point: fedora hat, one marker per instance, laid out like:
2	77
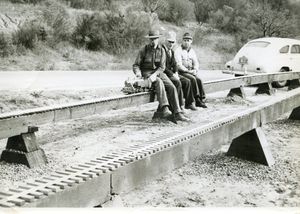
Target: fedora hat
187	36
153	34
171	36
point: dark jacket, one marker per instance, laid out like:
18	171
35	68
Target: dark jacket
150	60
171	66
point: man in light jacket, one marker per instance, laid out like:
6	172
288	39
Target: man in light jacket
188	67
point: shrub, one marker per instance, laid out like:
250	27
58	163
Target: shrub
27	1
27	35
89	33
6	46
177	11
137	26
111	32
58	25
91	4
202	10
201	33
223	19
153	6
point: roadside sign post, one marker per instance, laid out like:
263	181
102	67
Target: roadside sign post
243	61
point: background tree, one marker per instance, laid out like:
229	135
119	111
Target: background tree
203	9
272	20
177	11
152	6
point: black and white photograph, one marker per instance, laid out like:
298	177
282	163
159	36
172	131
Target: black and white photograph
150	105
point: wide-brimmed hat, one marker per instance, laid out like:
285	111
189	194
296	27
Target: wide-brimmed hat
153	34
187	36
171	36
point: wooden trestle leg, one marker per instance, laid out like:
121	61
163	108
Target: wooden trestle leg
252	146
24	149
295	115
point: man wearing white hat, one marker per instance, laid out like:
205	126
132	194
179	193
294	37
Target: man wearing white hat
150	64
182	83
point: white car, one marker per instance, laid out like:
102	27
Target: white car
266	55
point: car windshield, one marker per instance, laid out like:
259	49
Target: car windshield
258	44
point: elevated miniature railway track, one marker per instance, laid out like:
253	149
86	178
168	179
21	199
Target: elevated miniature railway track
94	182
15	123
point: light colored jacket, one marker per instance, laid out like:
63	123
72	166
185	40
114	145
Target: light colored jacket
186	59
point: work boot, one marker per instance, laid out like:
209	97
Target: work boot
183	111
165	112
181	117
191	107
200	103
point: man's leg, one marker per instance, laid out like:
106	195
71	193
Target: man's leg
195	89
171	93
173	98
161	93
194	84
201	89
178	87
187	90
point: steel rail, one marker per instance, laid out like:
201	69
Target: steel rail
93	183
15	123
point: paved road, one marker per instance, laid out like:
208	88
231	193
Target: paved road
74	80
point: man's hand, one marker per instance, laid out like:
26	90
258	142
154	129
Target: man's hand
138	74
152	77
176	76
194	72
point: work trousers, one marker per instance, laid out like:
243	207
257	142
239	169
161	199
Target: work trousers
160	92
178	85
187	90
160	89
171	93
196	84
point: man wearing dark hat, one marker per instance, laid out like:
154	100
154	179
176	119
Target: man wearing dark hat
182	84
188	67
150	65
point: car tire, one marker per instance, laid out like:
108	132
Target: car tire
280	84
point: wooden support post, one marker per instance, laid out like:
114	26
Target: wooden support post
293	84
295	115
265	88
252	146
24	149
238	92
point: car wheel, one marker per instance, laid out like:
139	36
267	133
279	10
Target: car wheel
280	84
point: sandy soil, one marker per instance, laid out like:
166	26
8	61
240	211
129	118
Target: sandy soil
216	180
211	180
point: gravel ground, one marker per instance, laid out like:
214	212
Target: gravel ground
212	180
217	180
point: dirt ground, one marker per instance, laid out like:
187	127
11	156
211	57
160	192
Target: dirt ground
213	180
216	180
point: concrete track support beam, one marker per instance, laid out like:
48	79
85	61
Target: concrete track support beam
252	146
295	115
293	84
238	92
265	88
24	149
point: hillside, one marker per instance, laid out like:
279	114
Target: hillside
65	56
106	35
